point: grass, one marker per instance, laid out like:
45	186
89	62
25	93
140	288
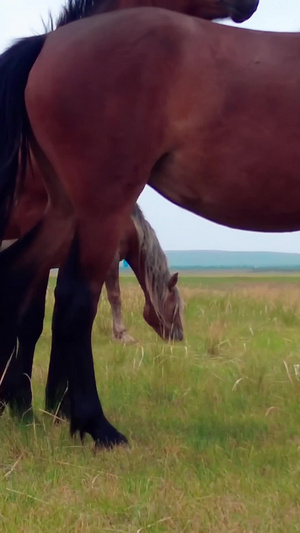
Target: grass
213	423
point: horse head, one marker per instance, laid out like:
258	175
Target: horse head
237	10
240	10
167	320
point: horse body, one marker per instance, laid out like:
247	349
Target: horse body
196	159
237	160
143	109
33	201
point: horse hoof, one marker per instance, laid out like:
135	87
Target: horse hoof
124	338
104	435
127	339
109	441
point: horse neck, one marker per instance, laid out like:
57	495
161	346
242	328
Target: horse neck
106	6
78	9
148	261
136	261
205	9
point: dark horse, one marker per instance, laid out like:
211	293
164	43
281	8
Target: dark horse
110	103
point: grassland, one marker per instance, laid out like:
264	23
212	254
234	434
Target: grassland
213	423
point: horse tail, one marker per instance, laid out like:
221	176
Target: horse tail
15	65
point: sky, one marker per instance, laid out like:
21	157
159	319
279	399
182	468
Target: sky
176	228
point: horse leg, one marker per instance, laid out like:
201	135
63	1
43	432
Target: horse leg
57	396
30	327
13	287
112	284
72	321
102	190
20	265
57	399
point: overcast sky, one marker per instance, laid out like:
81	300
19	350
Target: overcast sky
176	228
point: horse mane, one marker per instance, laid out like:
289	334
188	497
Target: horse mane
157	274
76	10
73	10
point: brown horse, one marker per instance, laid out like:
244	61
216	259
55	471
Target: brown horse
33	201
162	311
113	102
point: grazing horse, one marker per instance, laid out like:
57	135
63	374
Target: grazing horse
141	249
109	103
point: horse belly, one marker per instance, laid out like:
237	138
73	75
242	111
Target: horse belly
234	189
236	159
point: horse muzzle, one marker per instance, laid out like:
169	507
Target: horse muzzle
240	11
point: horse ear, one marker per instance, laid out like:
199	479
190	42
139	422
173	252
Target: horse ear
172	281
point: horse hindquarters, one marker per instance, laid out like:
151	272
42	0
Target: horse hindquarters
103	165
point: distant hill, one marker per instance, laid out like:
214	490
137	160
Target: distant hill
215	259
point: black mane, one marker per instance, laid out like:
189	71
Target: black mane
74	10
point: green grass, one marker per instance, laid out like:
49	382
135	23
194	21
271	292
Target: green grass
213	423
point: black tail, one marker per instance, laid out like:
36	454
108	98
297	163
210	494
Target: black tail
15	65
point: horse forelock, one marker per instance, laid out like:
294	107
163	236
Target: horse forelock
157	274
